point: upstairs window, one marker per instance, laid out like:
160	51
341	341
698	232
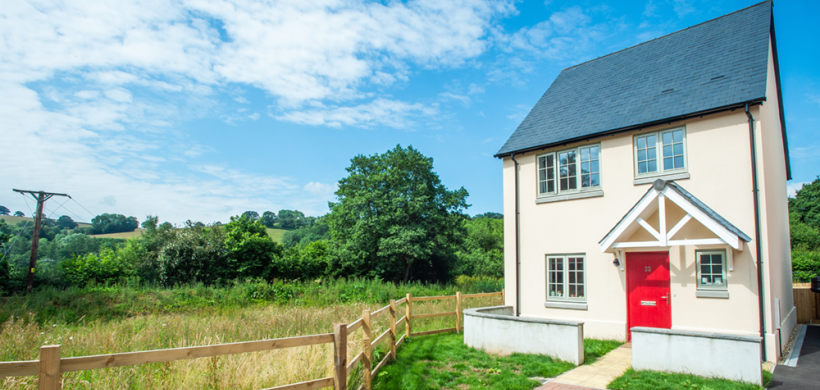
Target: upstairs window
660	152
569	170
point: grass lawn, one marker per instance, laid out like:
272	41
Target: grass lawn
653	380
594	349
276	234
444	362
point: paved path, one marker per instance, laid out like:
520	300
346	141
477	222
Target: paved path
596	375
807	373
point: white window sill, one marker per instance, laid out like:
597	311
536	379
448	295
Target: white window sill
566	305
570	196
649	179
712	294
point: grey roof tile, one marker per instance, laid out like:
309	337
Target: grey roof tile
625	89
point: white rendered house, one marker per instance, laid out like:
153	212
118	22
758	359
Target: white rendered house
647	188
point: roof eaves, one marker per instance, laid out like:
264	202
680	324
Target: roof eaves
604	133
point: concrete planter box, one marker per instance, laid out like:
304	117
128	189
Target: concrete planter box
711	355
496	330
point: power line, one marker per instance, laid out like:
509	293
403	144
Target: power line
19	232
86	210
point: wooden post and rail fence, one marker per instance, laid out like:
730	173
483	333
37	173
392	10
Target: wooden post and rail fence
52	365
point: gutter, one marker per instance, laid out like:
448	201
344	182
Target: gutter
636	127
517	245
755	190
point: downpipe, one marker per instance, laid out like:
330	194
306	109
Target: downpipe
755	191
517	245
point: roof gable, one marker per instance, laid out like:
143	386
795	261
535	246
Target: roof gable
717	64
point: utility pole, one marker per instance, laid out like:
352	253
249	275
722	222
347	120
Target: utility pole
41	197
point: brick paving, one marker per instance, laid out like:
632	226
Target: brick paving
562	386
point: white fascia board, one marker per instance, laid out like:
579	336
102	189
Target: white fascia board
629	219
728	237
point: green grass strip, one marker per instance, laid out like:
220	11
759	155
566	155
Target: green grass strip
444	362
653	380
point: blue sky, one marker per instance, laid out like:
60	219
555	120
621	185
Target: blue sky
204	109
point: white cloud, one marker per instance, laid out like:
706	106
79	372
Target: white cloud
321	189
793	187
392	113
465	100
649	9
683	7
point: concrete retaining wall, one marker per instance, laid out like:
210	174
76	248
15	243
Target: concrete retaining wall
496	330
711	355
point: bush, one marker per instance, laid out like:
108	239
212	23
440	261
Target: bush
805	265
302	262
480	284
107	267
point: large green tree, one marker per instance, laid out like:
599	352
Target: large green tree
4	210
804	217
394	219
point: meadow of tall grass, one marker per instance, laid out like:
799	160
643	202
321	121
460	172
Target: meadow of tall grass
123	318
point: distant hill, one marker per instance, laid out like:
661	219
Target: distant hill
12	220
275	234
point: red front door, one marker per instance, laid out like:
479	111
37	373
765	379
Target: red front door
647	290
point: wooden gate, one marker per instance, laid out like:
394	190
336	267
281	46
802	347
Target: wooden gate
806	303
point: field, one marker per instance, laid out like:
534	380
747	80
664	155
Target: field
12	220
123	235
121	319
276	234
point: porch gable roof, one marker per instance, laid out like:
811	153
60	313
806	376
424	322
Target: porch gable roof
727	232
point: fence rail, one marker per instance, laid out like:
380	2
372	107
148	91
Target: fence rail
51	365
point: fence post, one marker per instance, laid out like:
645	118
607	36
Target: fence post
50	368
503	298
367	363
340	357
367	351
458	311
393	328
407	328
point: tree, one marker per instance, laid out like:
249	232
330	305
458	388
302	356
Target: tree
394	219
291	219
4	210
483	249
251	215
806	204
490	215
250	249
268	218
19	214
65	222
5	271
150	222
113	223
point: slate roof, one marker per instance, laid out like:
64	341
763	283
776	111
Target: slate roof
692	199
709	67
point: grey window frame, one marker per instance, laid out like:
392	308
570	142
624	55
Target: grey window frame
579	188
659	156
565	272
724	265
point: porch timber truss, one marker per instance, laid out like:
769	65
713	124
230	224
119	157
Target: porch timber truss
655	200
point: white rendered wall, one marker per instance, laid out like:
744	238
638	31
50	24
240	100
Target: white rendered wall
496	330
704	354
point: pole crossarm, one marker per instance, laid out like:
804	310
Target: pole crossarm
49	194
